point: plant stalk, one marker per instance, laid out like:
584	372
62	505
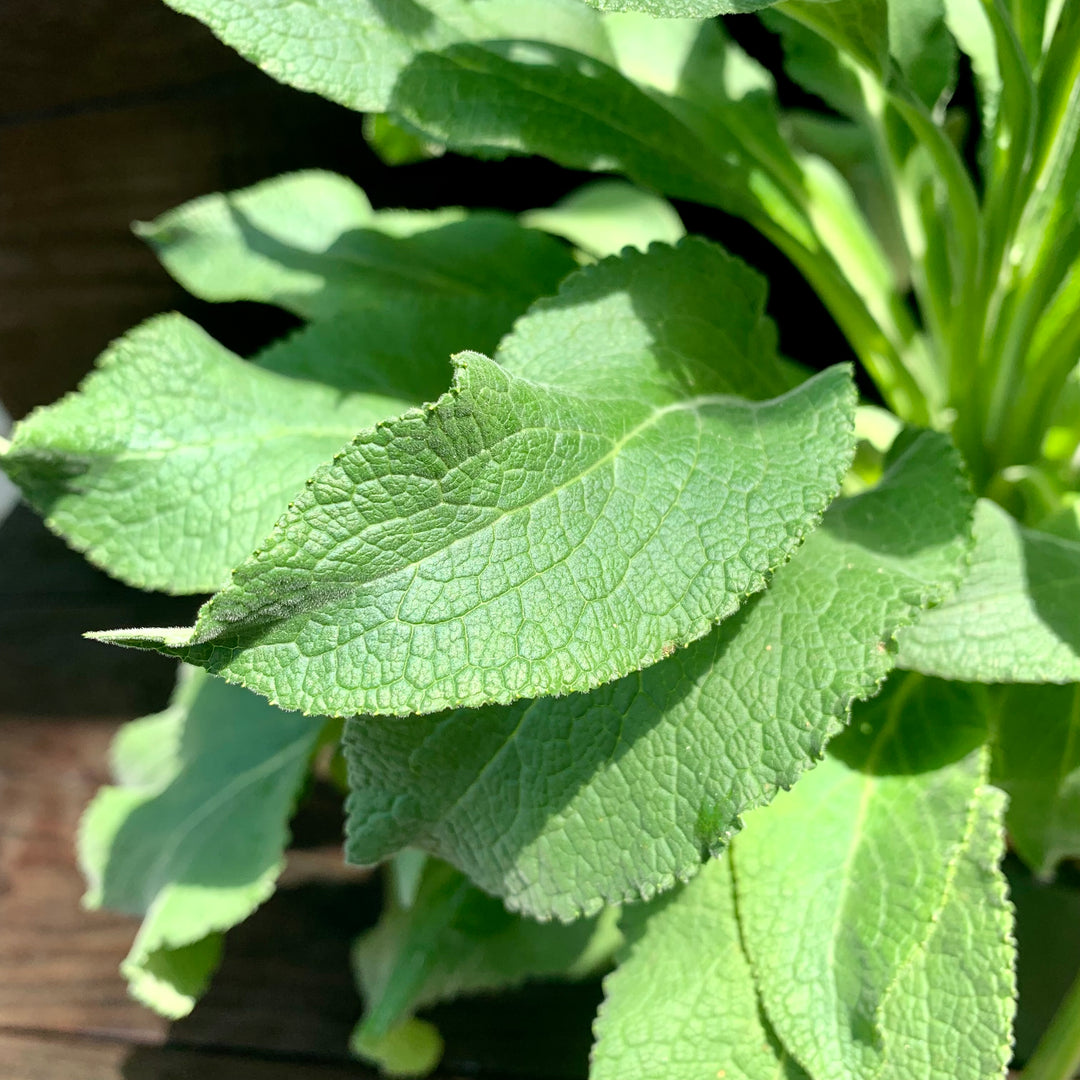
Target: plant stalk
1057	1057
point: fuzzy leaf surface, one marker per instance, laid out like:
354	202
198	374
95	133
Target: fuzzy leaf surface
193	837
353	51
560	804
310	242
896	960
683	9
1037	763
454	940
148	467
682	1005
1016	618
557	520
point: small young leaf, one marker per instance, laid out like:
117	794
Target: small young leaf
1016	618
193	838
1037	764
559	804
682	1001
175	457
604	217
896	958
394	145
550	524
455	940
310	242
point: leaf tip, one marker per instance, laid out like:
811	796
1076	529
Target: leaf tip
151	637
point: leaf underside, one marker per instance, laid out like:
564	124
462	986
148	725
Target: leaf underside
193	838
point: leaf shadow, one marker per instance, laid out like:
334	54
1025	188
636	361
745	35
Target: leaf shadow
212	812
1051	567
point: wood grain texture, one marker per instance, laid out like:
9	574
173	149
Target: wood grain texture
58	964
44	1057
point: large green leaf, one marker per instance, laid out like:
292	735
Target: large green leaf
550	524
562	803
870	901
353	51
1037	763
175	457
1016	618
193	837
682	1004
453	939
310	242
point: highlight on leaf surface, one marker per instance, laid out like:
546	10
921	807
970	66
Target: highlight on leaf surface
561	804
594	500
192	837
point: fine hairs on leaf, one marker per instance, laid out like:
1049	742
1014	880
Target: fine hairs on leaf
578	509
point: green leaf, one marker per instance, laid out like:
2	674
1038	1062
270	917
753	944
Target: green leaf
517	97
683	9
870	901
682	1003
550	524
452	940
1037	763
922	46
353	51
193	837
969	25
817	65
148	467
560	804
1016	618
311	243
394	145
604	217
859	28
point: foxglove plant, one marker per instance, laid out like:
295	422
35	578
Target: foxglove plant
640	644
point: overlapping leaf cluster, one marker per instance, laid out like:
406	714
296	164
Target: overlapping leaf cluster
587	596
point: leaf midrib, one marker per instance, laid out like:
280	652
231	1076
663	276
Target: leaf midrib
690	405
230	791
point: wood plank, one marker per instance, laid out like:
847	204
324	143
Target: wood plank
44	1057
58	964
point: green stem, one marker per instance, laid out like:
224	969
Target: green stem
1057	1057
871	344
